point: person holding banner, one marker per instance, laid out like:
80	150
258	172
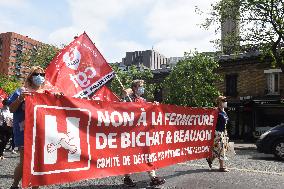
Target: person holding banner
135	95
221	139
34	83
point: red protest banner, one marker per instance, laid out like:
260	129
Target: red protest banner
69	139
105	94
79	69
3	95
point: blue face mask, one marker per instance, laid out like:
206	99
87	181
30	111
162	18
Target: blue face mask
140	91
38	80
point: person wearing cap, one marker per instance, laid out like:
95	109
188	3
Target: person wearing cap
135	95
221	139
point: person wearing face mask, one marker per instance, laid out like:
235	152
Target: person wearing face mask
221	139
135	95
34	83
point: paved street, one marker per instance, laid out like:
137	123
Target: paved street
248	169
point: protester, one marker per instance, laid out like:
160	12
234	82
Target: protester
134	95
6	127
34	83
221	139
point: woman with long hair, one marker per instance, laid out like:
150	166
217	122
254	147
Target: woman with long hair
34	83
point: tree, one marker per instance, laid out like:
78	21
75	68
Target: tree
9	84
261	24
132	73
41	56
191	82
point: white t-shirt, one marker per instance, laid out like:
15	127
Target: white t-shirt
7	115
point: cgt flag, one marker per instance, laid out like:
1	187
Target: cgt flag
105	94
79	69
3	95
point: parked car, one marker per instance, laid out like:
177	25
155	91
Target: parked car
272	142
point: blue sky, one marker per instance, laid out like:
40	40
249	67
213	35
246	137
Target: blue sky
116	26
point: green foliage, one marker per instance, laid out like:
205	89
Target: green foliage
39	57
261	24
191	82
126	78
9	84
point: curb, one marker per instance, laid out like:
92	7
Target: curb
245	146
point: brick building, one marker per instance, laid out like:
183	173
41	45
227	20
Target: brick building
255	94
12	45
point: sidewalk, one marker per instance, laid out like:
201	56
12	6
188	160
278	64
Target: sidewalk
240	145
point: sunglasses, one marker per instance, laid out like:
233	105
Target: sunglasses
37	74
224	100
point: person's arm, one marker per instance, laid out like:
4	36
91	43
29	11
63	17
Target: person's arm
15	100
126	93
15	104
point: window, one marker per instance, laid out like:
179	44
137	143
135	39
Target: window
19	47
231	85
273	81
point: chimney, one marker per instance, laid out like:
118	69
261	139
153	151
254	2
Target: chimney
230	27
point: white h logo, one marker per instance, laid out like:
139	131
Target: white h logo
54	140
75	139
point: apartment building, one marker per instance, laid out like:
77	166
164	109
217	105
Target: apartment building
12	46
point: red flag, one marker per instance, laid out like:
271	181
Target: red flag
3	95
79	69
105	94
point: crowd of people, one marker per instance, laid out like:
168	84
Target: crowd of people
13	120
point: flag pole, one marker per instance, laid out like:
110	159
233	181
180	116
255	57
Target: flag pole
116	76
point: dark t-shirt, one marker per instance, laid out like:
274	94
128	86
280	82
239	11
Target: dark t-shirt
222	121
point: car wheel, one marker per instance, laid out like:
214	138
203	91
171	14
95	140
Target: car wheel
279	149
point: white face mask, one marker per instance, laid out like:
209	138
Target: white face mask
140	91
38	80
225	104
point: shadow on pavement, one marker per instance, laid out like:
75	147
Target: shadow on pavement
95	187
246	152
6	176
191	171
139	184
266	158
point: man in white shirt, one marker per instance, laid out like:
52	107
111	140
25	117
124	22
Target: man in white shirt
6	127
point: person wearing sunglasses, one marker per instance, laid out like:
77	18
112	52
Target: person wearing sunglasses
221	139
34	83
